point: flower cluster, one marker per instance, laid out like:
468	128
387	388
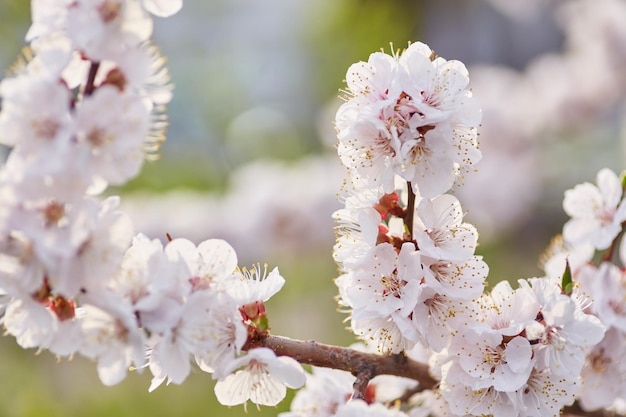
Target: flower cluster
411	115
406	254
410	277
593	247
82	112
405	288
522	353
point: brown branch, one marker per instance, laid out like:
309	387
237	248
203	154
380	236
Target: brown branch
410	210
608	255
360	364
406	395
91	78
576	410
365	366
360	383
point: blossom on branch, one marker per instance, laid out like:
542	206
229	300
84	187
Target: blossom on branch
263	379
409	114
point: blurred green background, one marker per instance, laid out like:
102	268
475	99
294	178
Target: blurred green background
236	63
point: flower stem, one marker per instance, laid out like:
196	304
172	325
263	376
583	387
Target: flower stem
410	211
360	383
608	255
91	78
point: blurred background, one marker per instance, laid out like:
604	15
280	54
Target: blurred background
249	154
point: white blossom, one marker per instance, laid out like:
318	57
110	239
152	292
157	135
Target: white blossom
113	143
441	232
103	28
111	338
606	286
604	373
385	282
545	395
204	327
31	323
263	378
596	211
563	331
256	284
35	113
206	266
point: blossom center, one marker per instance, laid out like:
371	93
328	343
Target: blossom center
606	215
53	212
599	361
99	136
392	284
494	357
46	128
109	10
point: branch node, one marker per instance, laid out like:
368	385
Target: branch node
363	378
